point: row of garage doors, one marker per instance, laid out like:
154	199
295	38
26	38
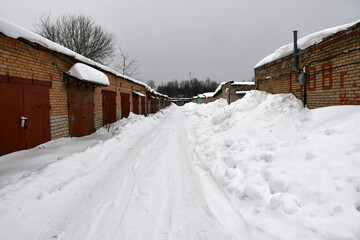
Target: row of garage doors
25	108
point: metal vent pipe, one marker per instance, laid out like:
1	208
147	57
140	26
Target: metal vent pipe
296	60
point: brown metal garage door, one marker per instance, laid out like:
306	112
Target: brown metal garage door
125	104
81	110
109	106
143	105
21	99
135	104
36	110
153	106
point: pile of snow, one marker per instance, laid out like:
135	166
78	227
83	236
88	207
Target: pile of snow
303	43
88	74
288	173
69	152
292	172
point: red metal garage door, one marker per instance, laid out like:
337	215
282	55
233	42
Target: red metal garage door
135	104
12	136
81	110
36	110
143	106
125	104
153	106
109	106
20	99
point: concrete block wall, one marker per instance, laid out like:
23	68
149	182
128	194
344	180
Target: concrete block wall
238	87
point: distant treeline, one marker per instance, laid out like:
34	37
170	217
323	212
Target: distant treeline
187	88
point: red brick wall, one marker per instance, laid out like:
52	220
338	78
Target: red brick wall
333	68
20	58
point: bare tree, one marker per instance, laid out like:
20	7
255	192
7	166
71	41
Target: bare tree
151	83
80	34
126	63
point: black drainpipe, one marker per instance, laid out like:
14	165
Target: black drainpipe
303	76
296	60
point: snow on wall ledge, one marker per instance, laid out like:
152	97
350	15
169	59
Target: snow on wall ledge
303	43
88	74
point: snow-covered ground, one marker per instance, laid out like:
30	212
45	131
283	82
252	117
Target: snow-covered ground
262	168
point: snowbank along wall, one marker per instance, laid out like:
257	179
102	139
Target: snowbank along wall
332	66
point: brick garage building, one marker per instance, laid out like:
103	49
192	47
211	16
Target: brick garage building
230	90
40	100
332	63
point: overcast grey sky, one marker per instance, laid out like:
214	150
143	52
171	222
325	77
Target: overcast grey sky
219	39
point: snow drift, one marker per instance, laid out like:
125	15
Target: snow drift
277	170
292	172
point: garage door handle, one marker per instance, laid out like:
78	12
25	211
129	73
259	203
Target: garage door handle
22	121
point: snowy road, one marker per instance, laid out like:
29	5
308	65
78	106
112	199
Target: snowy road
262	168
146	186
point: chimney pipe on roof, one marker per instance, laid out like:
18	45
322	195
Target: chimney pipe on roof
302	72
296	60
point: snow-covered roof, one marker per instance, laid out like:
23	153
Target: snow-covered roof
14	31
219	87
242	83
303	43
241	92
140	94
149	89
208	94
88	74
205	95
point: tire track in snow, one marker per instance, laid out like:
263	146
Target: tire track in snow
90	192
180	209
147	189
